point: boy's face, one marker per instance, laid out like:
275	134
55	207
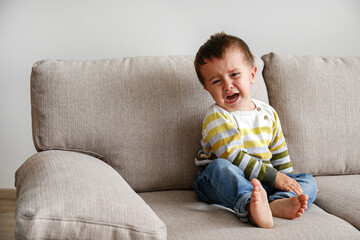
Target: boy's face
229	79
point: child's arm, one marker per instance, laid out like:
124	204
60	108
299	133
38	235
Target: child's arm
280	156
281	160
223	139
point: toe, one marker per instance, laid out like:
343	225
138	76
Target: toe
255	182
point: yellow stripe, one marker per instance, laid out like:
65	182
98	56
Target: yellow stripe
229	151
213	117
226	140
276	130
207	149
257	143
276	139
266	155
276	117
276	123
218	129
255	131
278	147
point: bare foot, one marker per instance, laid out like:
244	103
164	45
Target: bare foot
289	208
259	210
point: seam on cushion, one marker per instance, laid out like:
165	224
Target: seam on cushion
18	182
91	223
21	171
335	174
19	175
90	153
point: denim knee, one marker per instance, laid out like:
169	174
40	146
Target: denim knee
311	188
223	183
219	163
206	176
308	185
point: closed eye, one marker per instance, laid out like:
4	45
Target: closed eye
215	82
234	74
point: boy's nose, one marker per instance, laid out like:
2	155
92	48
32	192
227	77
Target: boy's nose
227	85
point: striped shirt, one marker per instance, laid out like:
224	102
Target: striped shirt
252	140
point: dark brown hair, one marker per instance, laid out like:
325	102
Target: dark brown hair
216	47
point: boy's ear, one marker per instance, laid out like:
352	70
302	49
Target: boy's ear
253	74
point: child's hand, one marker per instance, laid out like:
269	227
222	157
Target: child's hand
286	183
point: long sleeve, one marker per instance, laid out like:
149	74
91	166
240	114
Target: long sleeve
280	155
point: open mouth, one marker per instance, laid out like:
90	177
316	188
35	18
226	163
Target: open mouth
232	98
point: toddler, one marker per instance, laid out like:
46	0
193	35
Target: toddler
244	161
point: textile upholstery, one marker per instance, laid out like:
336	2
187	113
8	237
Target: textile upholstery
68	195
317	101
339	195
187	218
116	141
141	115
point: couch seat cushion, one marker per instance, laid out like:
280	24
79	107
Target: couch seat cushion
186	218
339	195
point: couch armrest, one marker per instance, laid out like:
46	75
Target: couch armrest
69	195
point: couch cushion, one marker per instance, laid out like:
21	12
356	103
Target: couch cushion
187	218
141	115
67	195
317	99
339	195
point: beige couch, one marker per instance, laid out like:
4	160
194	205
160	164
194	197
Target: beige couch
117	139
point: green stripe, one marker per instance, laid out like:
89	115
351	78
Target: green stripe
266	162
284	166
239	158
250	167
280	155
262	172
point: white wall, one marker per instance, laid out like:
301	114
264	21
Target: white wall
31	30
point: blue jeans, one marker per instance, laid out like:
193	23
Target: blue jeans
225	184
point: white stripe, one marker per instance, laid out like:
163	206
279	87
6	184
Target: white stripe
229	145
283	149
222	135
255	171
279	142
202	162
261	136
280	161
287	170
255	150
213	124
233	155
205	145
244	162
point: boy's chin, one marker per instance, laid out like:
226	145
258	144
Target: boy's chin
228	107
233	107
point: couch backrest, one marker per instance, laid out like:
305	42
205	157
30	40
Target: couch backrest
141	115
317	99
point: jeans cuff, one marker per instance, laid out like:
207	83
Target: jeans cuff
281	195
240	207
